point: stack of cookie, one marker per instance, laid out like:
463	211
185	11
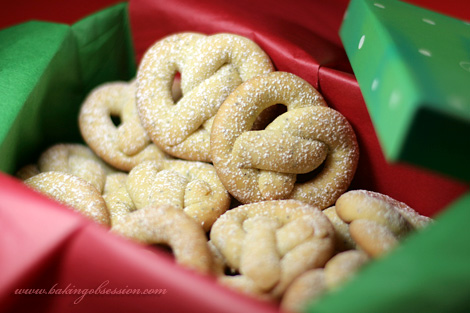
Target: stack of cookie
367	225
241	169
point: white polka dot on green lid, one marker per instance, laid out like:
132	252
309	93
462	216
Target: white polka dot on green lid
425	52
361	42
428	21
394	99
465	65
375	84
379	5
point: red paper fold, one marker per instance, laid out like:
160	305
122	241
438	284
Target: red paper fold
46	246
301	37
295	34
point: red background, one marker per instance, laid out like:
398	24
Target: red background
70	11
323	56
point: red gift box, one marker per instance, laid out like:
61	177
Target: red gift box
83	268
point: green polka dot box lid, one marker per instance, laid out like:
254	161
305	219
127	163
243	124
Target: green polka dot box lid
413	68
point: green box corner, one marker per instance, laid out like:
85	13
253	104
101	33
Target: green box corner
47	69
413	67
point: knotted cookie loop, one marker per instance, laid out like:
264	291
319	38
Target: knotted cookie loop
75	159
376	221
343	237
165	224
72	191
72	158
263	165
312	284
187	185
211	53
272	242
305	289
126	145
211	67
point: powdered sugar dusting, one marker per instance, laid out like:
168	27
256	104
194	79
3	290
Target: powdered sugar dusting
188	185
125	146
165	224
315	130
262	240
73	192
211	68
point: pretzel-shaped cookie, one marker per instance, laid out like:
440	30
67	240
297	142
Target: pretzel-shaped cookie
75	159
72	191
262	165
272	242
126	145
373	238
342	266
188	185
165	224
377	222
307	287
211	68
312	284
343	237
